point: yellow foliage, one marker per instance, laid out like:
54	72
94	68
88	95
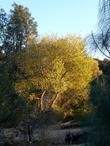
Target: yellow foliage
58	65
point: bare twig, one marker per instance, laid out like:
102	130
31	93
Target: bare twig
98	46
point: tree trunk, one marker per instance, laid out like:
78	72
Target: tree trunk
42	101
54	98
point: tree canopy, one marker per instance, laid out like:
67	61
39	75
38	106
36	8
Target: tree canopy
56	66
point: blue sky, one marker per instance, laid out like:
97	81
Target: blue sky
60	17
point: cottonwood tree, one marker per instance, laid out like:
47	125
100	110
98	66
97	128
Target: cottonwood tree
55	66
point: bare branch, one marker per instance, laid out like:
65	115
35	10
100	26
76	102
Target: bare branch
98	46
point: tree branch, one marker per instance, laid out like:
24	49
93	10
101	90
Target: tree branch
42	100
99	47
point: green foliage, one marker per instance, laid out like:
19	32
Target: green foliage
12	106
105	66
12	111
3	26
15	29
20	27
100	103
100	88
